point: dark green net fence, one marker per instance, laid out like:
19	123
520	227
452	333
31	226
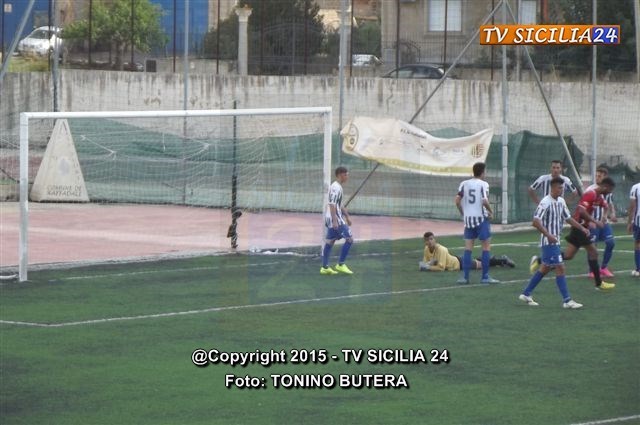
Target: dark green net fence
126	162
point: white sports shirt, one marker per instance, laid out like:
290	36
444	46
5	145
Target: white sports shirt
634	195
544	182
335	198
552	213
472	192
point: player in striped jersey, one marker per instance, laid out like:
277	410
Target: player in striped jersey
337	222
604	233
549	217
633	224
472	201
544	183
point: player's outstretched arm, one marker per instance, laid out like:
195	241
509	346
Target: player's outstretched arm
588	218
578	226
533	195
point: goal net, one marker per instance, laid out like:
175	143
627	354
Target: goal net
241	160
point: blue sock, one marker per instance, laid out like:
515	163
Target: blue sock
486	260
466	263
326	252
637	256
344	252
561	282
535	279
608	252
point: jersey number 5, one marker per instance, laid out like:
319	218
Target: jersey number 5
472	196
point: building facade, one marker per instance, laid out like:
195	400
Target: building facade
435	31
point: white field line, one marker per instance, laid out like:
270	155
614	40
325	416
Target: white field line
11	270
610	421
283	254
263	305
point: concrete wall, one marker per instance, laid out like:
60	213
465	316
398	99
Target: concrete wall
466	104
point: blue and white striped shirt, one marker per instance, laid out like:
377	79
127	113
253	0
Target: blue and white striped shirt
473	192
544	182
597	209
634	195
552	213
335	198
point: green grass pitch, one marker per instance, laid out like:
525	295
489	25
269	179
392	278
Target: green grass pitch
120	338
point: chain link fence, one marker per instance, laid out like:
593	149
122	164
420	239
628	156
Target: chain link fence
293	59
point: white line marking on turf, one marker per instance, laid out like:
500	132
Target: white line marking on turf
610	421
259	264
236	307
273	304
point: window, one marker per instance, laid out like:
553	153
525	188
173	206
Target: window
436	14
528	12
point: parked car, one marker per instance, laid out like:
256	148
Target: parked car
416	71
41	41
365	60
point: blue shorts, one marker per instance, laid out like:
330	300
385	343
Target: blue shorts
343	231
482	231
636	233
601	234
551	255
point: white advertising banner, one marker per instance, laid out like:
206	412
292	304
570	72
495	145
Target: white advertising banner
401	145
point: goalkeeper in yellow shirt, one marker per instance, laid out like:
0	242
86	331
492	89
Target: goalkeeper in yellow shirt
437	258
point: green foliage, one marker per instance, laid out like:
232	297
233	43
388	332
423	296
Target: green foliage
28	64
227	48
279	33
111	21
620	57
366	38
578	58
331	44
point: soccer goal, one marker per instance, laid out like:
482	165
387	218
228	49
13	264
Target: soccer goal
232	160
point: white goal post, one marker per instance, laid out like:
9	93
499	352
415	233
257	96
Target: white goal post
27	117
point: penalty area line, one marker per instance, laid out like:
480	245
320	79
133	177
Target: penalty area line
609	421
233	307
288	258
263	305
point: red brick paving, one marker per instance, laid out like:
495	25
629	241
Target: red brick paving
63	233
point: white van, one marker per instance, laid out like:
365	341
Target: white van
365	60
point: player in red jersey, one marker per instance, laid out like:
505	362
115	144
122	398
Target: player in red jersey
584	215
576	238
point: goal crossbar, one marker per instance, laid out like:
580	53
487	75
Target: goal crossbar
25	117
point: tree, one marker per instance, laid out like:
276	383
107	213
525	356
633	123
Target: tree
366	38
111	20
227	46
578	58
281	34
